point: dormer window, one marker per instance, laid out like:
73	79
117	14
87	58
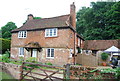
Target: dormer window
51	32
22	34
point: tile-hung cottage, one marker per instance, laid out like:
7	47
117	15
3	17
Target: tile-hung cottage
48	40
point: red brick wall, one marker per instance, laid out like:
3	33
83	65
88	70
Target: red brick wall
62	40
62	45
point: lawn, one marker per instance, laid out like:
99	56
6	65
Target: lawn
6	77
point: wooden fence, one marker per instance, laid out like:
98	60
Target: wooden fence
35	72
87	60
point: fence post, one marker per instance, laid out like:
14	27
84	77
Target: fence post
21	71
67	71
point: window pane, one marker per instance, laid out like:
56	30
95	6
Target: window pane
48	52
54	32
52	52
24	33
50	32
21	51
47	32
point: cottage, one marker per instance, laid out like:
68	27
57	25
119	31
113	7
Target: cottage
48	40
96	47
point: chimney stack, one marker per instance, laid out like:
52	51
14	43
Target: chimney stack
73	15
30	17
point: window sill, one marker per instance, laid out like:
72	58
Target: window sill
50	57
50	36
22	37
21	55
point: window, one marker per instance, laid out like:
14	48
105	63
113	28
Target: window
50	53
51	32
21	51
71	52
22	34
94	51
78	41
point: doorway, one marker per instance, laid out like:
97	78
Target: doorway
34	53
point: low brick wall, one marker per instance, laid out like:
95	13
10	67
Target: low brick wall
12	69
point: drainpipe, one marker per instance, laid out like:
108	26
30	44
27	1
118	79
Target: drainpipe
74	55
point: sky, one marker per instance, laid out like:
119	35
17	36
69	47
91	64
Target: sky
17	10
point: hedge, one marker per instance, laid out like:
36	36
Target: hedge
4	45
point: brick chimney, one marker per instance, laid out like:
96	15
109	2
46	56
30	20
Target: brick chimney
73	15
30	17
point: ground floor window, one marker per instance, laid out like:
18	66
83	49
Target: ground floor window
71	52
21	51
50	53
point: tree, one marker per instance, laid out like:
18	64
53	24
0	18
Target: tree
4	45
94	23
6	30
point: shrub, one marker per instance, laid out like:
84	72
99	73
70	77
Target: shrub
4	45
31	59
104	56
21	59
5	58
48	63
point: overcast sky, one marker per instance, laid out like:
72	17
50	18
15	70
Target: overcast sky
17	10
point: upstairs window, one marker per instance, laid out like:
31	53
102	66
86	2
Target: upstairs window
22	34
50	53
51	32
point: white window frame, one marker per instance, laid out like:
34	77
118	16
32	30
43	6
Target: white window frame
20	51
50	32
70	54
22	34
50	53
78	41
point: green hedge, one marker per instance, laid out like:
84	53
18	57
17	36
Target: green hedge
4	45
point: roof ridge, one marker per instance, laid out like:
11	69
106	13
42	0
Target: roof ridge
53	17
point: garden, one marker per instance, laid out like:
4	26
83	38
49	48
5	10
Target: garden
83	73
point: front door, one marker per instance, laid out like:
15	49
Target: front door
34	53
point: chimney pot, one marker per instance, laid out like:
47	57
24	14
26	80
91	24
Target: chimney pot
30	17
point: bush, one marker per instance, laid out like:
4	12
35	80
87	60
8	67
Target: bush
5	58
104	56
31	59
4	45
48	63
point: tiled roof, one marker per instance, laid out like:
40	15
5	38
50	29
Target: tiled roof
101	44
60	21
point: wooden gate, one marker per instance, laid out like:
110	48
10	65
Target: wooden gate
40	72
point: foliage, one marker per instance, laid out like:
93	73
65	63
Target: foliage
4	45
37	18
5	58
49	63
6	30
100	21
104	56
31	59
108	70
118	73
